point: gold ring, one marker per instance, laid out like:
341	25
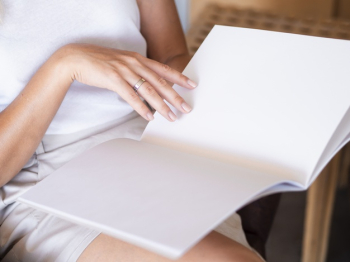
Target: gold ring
139	84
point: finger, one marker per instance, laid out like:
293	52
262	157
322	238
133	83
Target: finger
147	91
169	73
132	98
165	90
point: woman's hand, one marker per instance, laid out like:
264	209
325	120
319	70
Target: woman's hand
24	122
119	71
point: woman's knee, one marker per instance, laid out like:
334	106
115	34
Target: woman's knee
216	247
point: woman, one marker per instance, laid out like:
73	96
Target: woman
68	71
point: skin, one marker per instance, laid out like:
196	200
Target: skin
24	122
213	248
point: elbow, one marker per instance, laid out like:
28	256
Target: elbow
5	175
8	170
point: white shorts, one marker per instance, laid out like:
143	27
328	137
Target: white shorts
27	234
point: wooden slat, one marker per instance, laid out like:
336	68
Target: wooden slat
320	202
318	9
251	18
343	180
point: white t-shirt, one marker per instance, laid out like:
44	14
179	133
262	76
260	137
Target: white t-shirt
31	31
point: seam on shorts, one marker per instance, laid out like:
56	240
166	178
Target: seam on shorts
42	143
84	243
40	149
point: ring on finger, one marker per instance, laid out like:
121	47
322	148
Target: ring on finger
138	84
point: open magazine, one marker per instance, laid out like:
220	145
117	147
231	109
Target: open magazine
270	111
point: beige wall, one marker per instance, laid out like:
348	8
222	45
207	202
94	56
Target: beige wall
319	9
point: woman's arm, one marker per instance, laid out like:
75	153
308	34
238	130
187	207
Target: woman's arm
24	122
160	25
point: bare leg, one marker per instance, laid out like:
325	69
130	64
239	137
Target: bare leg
214	247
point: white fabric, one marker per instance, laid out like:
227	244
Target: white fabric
50	158
232	228
32	30
29	235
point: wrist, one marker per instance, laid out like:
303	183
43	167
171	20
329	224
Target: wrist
62	66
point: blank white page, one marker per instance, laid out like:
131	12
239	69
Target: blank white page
266	100
150	196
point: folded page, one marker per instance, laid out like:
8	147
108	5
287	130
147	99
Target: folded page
265	100
150	196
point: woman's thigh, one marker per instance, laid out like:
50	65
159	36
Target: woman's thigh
214	247
29	235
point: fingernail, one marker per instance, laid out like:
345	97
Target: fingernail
191	83
150	116
172	116
186	107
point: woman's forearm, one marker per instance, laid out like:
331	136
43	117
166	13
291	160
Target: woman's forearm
24	122
179	62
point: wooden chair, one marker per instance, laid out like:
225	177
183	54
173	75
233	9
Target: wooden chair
320	196
319	206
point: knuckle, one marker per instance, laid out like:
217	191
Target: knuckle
143	110
162	82
136	55
147	89
163	108
178	99
131	59
121	64
136	62
133	97
166	68
132	54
